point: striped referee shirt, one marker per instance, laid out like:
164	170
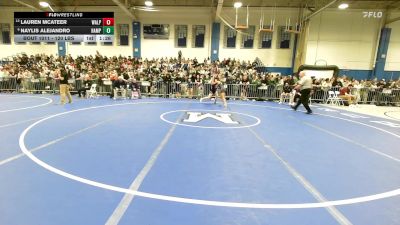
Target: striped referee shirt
305	82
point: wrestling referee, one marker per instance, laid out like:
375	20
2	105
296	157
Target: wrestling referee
305	85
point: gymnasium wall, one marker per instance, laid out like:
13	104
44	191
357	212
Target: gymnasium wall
176	16
392	67
348	40
345	39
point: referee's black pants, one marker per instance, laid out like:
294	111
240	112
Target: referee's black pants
304	99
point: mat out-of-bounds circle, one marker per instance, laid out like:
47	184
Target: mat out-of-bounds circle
348	201
49	101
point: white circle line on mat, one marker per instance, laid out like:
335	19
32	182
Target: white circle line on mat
29	107
50	168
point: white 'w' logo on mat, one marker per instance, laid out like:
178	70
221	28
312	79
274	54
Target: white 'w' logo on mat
195	117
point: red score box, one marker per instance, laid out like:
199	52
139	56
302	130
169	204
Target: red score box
108	21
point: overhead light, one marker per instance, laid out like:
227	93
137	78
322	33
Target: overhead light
148	3
343	6
145	8
44	4
237	4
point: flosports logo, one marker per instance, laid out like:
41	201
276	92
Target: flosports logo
194	117
373	14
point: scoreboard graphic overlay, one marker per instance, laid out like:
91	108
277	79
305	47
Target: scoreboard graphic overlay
63	26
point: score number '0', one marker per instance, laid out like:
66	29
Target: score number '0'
108	21
108	30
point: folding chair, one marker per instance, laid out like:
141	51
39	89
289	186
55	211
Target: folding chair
92	92
333	98
339	100
119	93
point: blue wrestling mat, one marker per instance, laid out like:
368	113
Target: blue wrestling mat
182	162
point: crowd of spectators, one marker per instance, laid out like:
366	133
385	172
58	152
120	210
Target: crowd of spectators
99	68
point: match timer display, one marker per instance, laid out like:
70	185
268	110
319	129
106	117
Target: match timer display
63	26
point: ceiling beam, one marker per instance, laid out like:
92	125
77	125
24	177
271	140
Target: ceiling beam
394	4
219	8
394	7
320	9
27	5
125	9
392	20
